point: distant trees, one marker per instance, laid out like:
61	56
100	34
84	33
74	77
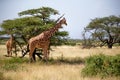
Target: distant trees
106	30
32	23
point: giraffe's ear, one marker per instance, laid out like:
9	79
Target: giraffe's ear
65	21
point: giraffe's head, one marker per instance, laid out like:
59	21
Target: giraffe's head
63	21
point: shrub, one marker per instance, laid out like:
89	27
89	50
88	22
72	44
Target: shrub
12	64
16	60
10	67
101	65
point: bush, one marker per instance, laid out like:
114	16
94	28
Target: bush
16	60
12	64
10	67
101	65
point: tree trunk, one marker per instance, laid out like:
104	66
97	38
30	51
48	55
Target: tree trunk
109	45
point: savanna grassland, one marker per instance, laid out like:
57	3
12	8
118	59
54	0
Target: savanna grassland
66	63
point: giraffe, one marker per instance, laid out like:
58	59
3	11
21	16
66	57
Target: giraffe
9	45
43	40
37	52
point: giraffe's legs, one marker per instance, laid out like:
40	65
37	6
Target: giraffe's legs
15	50
34	55
38	54
31	54
45	53
9	52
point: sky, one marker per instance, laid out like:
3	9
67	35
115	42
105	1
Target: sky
78	13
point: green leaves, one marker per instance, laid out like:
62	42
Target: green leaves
44	13
32	23
106	28
102	65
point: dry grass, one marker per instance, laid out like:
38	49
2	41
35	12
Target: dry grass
37	71
47	72
50	72
76	51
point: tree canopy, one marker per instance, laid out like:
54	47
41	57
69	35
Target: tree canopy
32	23
106	29
43	13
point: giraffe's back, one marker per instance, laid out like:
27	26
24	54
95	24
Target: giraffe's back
38	42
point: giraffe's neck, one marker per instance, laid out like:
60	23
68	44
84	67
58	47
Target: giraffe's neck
11	38
52	31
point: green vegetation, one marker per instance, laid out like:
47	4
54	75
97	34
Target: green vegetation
16	60
63	60
10	67
15	63
94	66
12	64
32	23
105	29
97	65
101	65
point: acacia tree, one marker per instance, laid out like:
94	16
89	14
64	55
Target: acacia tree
44	14
106	29
21	27
32	23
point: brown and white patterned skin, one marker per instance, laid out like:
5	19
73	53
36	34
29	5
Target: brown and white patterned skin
9	45
43	40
